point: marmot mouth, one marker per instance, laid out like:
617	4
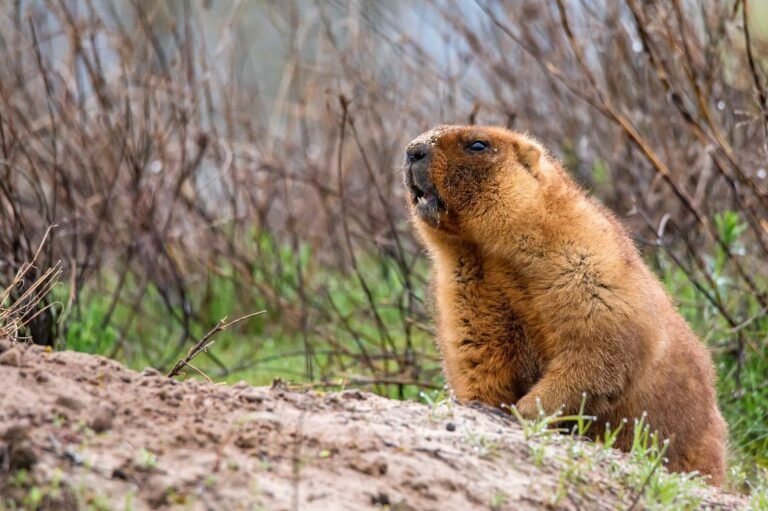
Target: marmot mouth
426	199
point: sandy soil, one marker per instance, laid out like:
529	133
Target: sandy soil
90	433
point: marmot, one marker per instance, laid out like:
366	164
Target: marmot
541	295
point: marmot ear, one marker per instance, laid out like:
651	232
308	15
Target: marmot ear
528	155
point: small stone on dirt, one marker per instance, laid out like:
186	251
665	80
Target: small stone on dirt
103	418
252	397
11	357
69	402
246	441
378	468
58	358
380	499
150	372
157	490
16	433
15	450
450	426
22	456
353	394
119	473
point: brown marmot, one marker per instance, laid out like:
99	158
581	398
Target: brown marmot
541	295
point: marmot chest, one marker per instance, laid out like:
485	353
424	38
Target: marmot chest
486	353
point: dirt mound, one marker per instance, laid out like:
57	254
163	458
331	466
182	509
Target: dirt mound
80	431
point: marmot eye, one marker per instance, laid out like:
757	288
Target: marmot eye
477	146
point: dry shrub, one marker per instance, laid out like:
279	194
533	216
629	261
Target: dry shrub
24	301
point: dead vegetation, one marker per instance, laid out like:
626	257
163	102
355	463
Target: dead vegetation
148	134
24	300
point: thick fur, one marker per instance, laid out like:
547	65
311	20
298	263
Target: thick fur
541	295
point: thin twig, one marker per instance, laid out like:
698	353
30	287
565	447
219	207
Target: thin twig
761	92
206	341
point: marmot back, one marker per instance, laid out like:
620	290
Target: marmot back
541	295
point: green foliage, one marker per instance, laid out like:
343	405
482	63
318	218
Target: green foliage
88	333
740	356
353	327
729	226
440	403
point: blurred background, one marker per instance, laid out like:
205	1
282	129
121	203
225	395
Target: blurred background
204	159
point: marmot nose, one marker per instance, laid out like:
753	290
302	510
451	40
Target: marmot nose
417	152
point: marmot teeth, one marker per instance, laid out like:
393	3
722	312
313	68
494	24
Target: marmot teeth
421	200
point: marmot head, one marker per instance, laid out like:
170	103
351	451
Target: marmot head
459	177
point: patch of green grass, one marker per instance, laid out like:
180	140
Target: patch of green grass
353	327
642	475
498	500
440	402
660	489
486	448
35	493
146	460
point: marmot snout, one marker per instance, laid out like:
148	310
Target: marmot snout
541	295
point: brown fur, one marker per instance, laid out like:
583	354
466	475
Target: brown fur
541	294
